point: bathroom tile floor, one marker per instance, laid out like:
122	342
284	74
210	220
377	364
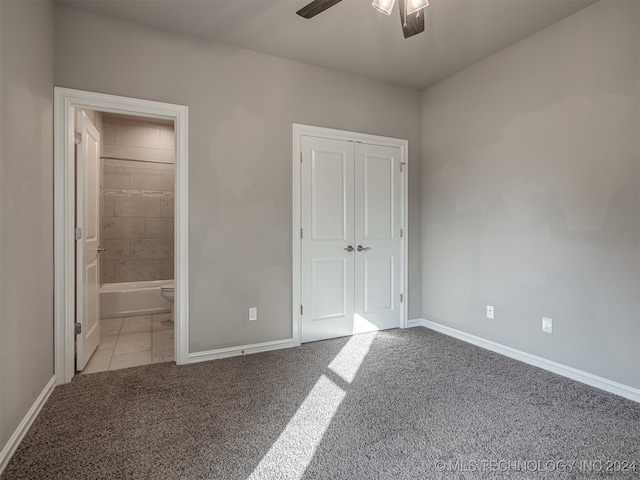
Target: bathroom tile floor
132	341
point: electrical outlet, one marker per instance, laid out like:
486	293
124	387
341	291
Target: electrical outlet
489	311
547	325
253	314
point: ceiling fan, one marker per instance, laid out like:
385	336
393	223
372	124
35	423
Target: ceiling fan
410	18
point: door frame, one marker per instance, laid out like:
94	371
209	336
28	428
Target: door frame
66	101
299	131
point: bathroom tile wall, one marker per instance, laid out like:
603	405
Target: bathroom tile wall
137	214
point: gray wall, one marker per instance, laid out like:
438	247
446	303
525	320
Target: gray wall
242	105
26	211
531	194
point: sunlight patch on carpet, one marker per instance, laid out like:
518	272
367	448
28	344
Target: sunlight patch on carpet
292	452
347	363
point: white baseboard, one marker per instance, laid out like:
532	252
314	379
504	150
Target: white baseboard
549	365
241	350
10	448
415	322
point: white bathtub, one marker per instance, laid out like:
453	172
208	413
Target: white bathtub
127	299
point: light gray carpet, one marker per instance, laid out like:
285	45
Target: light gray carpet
420	402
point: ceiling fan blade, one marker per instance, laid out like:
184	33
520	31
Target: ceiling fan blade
415	21
316	7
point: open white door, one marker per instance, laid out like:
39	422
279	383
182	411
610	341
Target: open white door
87	244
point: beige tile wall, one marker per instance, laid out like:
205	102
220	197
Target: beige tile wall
138	158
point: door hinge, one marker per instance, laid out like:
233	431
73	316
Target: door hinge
300	157
78	233
77	328
301	309
401	298
402	166
301	234
77	137
401	233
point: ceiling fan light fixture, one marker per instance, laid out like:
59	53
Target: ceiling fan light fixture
384	6
413	6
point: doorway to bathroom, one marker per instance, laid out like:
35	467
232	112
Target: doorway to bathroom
126	257
127	198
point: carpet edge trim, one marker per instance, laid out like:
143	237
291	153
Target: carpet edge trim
558	368
240	350
10	448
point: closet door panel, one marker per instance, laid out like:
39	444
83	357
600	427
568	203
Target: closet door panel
378	288
378	199
327	220
329	190
377	205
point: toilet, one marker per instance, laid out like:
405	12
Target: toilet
167	292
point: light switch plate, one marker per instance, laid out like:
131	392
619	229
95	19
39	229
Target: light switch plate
253	314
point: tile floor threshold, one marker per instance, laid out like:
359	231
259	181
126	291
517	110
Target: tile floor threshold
132	341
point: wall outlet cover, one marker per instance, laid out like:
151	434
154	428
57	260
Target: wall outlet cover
547	325
253	314
490	312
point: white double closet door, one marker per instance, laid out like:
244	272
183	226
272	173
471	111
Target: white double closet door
351	205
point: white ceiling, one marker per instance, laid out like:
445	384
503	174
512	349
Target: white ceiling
351	36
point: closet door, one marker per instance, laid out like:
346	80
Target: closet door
328	254
351	244
378	202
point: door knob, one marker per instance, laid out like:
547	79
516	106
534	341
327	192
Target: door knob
100	249
363	249
349	249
